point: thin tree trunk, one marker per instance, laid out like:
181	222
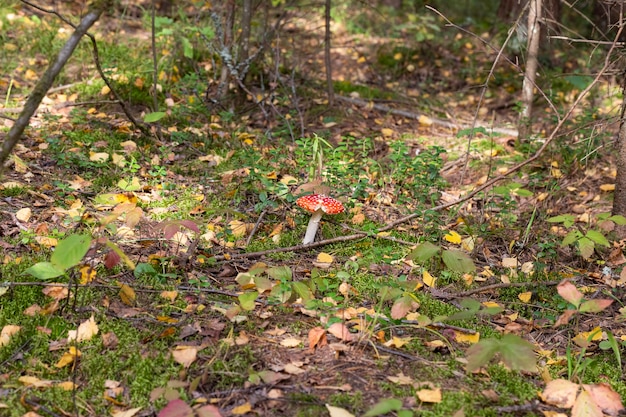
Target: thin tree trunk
46	81
534	32
244	46
619	198
327	57
229	23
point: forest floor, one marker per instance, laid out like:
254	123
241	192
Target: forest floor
164	275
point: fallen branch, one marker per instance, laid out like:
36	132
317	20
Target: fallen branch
416	116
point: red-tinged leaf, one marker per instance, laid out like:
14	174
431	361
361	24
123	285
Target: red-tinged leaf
111	259
595	306
585	406
403	306
607	399
208	411
191	225
570	293
170	229
565	318
176	408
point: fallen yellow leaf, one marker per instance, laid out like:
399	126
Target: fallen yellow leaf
429	395
428	279
466	337
242	409
453	237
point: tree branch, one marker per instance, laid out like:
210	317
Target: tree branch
44	84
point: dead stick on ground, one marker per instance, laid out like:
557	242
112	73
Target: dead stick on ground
256	227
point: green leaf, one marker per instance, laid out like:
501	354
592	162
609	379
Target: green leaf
595	306
281	293
618	219
144	268
579	81
567	219
597	237
187	48
458	261
612	343
517	353
44	271
471	310
479	354
383	407
423	252
470	304
586	247
248	300
70	251
302	290
154	116
472	131
571	237
282	273
522	192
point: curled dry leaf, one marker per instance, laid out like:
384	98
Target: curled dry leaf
8	331
607	399
185	355
317	337
560	392
340	331
86	331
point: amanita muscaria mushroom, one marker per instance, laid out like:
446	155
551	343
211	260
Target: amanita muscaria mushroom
317	204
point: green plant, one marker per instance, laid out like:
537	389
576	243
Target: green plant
454	259
586	240
313	150
67	254
611	343
416	177
516	353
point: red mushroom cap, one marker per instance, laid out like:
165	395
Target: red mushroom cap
315	202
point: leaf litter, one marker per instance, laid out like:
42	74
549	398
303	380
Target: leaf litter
327	348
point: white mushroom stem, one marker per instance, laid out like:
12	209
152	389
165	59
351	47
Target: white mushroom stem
311	229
